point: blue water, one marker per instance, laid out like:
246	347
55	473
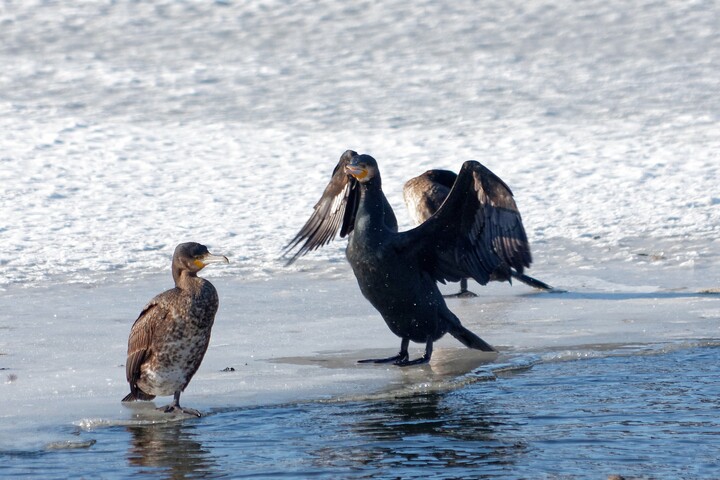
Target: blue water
647	415
120	118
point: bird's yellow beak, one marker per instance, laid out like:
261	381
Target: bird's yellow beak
356	171
210	258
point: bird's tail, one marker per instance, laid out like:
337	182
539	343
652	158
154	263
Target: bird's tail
469	339
528	280
137	394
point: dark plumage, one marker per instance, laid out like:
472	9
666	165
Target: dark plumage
476	233
168	340
425	194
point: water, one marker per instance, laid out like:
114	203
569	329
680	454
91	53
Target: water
128	127
631	412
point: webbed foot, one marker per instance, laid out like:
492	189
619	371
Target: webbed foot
178	409
400	357
461	294
175	407
464	292
418	361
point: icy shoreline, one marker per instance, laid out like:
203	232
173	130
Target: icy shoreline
295	338
127	128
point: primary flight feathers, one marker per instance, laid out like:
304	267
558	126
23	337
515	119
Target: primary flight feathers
477	232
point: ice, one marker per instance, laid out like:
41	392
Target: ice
297	337
126	128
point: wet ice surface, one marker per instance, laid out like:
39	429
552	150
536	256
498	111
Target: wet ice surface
127	128
630	411
294	339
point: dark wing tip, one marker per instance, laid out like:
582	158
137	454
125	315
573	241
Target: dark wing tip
503	222
330	214
478	230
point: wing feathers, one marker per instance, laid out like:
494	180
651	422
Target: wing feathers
139	345
477	232
334	211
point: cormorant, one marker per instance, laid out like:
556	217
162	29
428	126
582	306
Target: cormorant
476	233
168	340
423	196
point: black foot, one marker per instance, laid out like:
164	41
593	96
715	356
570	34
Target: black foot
418	361
177	408
464	292
400	357
461	294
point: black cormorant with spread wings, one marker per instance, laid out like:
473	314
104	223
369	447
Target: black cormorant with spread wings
425	194
476	233
168	340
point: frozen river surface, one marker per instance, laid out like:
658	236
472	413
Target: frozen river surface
126	128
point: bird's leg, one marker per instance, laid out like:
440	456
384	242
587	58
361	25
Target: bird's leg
464	292
419	361
400	357
175	406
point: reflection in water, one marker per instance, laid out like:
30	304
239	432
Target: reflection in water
419	415
636	415
438	430
171	448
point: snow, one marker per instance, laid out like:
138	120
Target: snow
127	128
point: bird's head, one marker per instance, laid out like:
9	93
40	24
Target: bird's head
193	257
363	168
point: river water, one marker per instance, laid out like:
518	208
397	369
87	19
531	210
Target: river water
639	412
129	127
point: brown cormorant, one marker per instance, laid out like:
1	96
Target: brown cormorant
168	340
423	196
476	233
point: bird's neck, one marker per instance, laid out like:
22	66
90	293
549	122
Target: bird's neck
184	279
371	211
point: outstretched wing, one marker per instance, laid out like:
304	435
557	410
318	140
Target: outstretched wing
477	232
334	211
